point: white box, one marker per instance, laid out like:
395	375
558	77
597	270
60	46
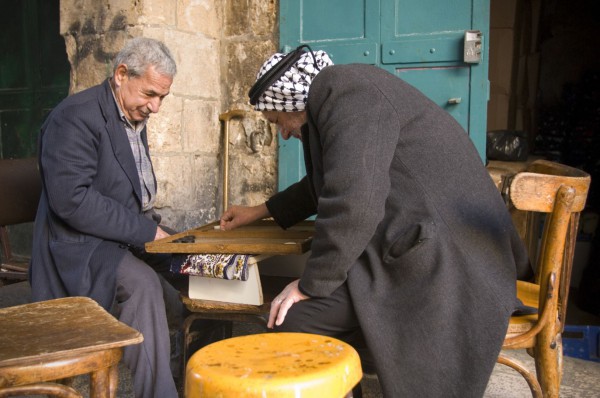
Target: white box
249	291
229	291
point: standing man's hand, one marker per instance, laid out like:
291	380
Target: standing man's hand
283	302
236	216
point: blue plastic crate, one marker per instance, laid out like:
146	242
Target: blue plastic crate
581	341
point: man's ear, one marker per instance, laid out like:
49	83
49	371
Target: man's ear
121	74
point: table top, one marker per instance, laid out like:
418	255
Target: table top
261	237
58	328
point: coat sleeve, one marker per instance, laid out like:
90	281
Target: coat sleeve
358	132
292	205
69	160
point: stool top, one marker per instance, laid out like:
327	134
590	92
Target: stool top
274	365
55	328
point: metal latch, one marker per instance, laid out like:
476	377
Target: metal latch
473	46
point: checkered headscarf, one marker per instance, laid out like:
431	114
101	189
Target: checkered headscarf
290	91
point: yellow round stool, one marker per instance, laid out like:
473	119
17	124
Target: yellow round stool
273	365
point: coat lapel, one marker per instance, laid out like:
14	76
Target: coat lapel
118	139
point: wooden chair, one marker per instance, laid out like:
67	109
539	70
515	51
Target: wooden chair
20	188
57	339
559	193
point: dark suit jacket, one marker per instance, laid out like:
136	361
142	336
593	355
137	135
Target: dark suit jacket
90	208
409	217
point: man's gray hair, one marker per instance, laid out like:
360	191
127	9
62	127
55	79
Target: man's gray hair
142	52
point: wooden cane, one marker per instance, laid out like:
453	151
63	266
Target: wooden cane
225	118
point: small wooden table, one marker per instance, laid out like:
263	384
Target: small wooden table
57	339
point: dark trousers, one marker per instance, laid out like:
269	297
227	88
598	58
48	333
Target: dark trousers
332	316
143	300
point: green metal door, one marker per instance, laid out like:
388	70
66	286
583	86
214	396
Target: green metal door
34	72
428	43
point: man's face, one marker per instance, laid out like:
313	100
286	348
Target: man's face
289	123
139	96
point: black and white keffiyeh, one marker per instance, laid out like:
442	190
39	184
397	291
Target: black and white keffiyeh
290	91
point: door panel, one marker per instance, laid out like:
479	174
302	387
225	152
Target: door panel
424	17
34	72
441	48
420	41
446	86
347	29
423	42
322	20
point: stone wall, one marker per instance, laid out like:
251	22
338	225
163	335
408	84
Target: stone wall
218	46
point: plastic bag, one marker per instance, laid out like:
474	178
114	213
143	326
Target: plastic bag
507	145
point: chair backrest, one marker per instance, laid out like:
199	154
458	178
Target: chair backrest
558	192
20	191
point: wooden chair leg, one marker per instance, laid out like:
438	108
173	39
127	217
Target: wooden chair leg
114	380
52	389
100	384
548	363
189	336
532	382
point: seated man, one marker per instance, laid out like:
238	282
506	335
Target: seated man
96	208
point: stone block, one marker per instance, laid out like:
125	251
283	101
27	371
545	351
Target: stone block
204	17
198	60
96	17
158	12
182	220
186	182
254	179
164	127
252	160
251	17
91	57
174	180
201	130
244	59
206	183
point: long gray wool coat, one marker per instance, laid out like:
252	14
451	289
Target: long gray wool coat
408	216
90	209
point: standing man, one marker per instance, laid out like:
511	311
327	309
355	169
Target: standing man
96	209
414	249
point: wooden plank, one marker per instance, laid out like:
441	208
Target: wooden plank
528	191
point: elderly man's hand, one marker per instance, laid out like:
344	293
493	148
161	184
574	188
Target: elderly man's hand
236	216
283	302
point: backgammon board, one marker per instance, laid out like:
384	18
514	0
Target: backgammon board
261	237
